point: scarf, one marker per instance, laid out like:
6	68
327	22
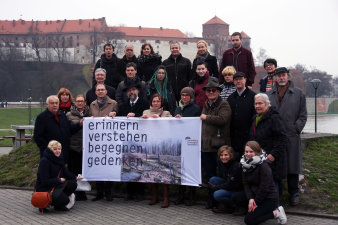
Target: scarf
200	80
101	104
160	90
65	106
147	58
202	57
259	117
154	111
182	106
250	164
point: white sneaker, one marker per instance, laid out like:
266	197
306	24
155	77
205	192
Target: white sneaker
71	201
281	218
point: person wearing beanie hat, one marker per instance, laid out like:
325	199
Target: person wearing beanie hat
267	82
187	108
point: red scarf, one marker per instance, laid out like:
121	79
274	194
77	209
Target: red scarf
65	106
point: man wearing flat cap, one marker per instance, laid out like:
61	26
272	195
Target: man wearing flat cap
242	106
291	105
216	117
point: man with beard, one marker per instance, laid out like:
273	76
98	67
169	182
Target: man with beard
267	82
132	77
240	58
128	57
108	61
291	105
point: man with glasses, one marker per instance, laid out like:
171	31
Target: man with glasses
103	106
129	56
100	78
267	82
216	117
242	106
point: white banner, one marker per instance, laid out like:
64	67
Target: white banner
153	150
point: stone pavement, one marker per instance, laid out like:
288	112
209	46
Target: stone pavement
15	208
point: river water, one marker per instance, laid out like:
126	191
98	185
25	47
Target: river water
327	123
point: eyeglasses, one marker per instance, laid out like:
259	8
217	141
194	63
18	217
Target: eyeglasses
98	90
211	90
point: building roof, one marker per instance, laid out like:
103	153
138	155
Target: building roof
216	20
56	26
149	32
244	35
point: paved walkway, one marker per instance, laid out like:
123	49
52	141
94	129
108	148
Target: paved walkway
15	208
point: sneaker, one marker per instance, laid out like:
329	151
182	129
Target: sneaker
71	201
281	217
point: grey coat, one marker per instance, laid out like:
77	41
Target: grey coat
292	109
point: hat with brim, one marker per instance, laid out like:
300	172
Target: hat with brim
131	84
212	83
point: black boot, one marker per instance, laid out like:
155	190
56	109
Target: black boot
192	197
181	195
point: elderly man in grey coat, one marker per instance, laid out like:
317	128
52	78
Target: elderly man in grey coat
291	105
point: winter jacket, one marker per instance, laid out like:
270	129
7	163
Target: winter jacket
91	95
245	64
146	65
110	65
243	110
216	126
292	109
271	136
189	110
160	112
109	106
179	73
121	65
258	183
231	172
74	117
48	171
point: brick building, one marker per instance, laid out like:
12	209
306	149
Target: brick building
81	41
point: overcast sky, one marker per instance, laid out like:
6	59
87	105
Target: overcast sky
292	31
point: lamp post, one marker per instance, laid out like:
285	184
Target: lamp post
315	83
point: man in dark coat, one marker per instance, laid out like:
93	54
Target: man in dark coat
108	61
128	57
178	69
52	124
242	106
240	58
267	82
291	105
269	131
100	78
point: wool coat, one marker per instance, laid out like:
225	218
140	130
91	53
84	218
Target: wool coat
138	108
109	106
216	126
292	109
179	73
242	108
47	128
189	110
271	135
74	117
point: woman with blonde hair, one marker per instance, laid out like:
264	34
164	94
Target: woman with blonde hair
203	54
66	99
228	86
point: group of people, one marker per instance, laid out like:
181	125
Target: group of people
250	142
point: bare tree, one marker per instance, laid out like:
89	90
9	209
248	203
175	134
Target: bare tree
261	57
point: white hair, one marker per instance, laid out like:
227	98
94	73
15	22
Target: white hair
264	97
51	96
100	69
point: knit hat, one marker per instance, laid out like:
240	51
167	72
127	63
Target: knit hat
189	91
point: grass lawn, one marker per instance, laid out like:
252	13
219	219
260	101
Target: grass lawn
17	116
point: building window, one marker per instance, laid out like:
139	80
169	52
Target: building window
77	36
78	51
157	42
143	41
185	42
77	44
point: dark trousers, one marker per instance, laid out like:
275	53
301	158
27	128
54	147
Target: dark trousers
239	199
263	212
60	196
293	180
209	165
103	188
134	189
75	162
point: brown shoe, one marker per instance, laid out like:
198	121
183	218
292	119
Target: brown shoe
165	203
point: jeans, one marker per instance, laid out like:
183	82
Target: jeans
221	195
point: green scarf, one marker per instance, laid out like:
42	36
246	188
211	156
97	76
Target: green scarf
259	117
